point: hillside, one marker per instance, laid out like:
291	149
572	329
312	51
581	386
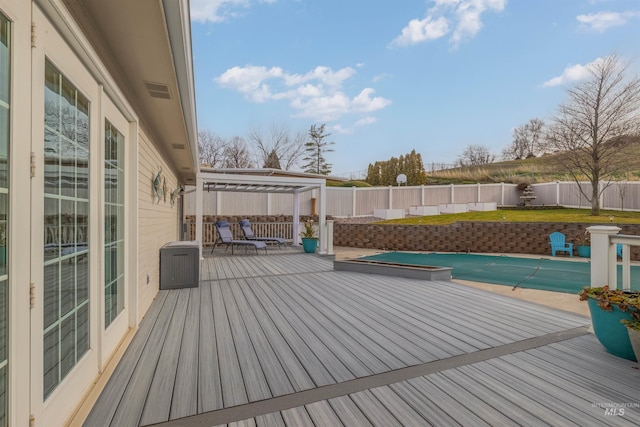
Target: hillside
547	168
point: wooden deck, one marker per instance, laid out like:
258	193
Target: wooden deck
285	340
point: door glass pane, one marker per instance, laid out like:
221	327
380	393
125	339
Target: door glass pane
113	222
5	90
66	222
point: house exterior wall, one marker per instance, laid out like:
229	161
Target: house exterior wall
158	221
50	34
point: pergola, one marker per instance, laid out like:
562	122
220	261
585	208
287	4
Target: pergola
211	181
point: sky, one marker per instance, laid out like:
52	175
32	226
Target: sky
390	76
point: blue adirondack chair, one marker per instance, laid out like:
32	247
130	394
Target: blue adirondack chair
558	242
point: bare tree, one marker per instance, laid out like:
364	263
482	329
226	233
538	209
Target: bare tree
211	148
527	141
475	155
236	154
593	126
278	141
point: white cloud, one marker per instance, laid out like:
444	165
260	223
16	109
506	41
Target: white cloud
572	74
381	76
365	121
317	94
220	10
461	18
421	30
602	21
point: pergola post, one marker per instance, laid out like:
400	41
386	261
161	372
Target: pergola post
322	218
296	219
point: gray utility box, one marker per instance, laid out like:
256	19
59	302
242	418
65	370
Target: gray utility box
180	265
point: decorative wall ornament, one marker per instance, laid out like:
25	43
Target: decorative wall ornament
155	185
164	189
173	196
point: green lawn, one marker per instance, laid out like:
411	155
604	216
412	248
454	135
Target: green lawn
548	215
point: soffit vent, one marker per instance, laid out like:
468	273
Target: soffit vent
158	90
178	146
186	168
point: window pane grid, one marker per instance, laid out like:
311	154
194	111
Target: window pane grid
66	205
114	223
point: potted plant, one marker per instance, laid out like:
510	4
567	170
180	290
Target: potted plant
608	308
633	329
309	239
583	244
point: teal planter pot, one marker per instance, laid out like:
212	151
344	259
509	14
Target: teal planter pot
309	245
584	251
610	332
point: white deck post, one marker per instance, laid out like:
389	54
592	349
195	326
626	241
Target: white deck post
330	237
199	211
603	256
296	219
322	218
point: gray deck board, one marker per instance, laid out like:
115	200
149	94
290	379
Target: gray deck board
322	414
274	373
233	388
158	403
273	419
369	404
420	299
269	327
295	371
297	417
134	396
401	410
210	388
341	370
316	370
415	323
348	412
253	377
419	306
511	397
423	405
394	328
112	394
186	384
366	327
360	360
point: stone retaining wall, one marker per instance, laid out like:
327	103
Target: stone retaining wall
464	236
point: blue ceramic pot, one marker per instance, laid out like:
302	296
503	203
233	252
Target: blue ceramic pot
309	245
584	251
611	333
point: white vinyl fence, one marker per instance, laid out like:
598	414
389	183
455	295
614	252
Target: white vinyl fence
356	201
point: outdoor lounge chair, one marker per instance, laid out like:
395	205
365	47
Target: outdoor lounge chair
245	225
557	242
225	237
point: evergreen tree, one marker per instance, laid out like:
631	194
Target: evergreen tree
386	172
316	148
272	162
